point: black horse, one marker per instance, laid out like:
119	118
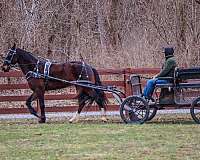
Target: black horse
70	71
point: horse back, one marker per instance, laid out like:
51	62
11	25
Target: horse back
62	71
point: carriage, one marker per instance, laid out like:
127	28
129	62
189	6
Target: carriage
182	91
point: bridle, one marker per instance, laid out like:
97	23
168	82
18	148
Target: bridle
10	60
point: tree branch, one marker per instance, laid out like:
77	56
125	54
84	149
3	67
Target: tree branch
198	1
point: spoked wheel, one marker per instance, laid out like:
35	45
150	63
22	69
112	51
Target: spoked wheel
195	110
134	110
152	109
152	113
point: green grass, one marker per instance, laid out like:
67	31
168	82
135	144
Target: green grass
160	140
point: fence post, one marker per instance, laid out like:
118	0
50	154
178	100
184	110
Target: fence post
127	87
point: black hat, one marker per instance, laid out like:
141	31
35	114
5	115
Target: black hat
168	52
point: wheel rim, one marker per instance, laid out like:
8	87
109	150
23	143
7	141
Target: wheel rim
152	113
195	111
152	109
134	110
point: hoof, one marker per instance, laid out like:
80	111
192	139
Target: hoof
104	119
70	121
42	120
73	120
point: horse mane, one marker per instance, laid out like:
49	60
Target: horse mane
26	55
31	56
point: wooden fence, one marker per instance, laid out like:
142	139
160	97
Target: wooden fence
14	81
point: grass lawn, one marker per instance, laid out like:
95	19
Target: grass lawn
158	140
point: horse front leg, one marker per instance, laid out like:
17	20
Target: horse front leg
29	104
42	107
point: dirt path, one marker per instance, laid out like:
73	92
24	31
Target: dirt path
84	114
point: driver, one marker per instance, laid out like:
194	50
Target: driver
167	71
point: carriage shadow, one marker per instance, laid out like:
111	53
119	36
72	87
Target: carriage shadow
166	120
183	122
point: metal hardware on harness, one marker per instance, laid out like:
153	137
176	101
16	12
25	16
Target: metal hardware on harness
36	74
37	67
10	60
32	74
46	73
83	68
47	68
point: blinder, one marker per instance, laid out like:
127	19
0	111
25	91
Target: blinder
9	61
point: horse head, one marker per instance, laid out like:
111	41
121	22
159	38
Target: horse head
10	59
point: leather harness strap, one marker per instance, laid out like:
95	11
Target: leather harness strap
47	69
32	74
46	73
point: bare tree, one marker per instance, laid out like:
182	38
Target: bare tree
110	33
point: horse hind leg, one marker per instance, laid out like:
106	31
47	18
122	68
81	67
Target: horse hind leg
29	105
103	111
101	100
82	98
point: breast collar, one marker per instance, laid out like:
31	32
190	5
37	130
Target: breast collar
47	68
36	74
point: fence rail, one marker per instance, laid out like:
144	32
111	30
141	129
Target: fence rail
12	86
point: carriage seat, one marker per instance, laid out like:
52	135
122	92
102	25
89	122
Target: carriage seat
167	85
188	73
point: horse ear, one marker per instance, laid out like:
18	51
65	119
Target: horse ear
14	46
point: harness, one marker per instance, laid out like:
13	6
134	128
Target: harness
82	70
10	60
47	69
45	75
35	73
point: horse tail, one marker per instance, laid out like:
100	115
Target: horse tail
100	97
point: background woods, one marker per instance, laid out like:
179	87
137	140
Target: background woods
108	33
